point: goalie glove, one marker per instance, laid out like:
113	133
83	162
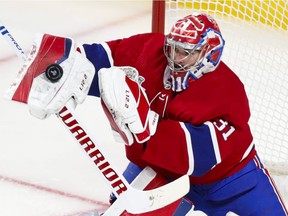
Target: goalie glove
126	105
53	74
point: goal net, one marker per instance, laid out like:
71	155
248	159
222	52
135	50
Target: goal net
256	49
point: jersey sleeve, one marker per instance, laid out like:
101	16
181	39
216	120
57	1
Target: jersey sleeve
184	148
100	56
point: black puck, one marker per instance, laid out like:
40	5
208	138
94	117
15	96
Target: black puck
54	72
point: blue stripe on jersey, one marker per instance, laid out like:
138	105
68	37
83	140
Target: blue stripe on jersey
202	147
99	58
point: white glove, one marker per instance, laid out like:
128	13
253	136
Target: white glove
53	74
126	104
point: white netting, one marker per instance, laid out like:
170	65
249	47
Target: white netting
257	51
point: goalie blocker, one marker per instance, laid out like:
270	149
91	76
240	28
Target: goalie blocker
126	105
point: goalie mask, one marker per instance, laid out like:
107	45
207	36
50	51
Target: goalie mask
193	48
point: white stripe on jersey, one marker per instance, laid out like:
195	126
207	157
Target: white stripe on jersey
214	141
189	149
108	52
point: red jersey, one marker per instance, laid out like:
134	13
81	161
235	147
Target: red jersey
203	130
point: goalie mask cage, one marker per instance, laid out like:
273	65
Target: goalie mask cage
256	49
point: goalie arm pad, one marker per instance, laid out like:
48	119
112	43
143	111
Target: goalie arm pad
53	74
125	103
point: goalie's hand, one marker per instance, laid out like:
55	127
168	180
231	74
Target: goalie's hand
126	103
54	73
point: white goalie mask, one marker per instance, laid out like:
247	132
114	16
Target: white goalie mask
193	48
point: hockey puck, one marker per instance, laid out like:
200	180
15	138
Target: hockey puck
54	72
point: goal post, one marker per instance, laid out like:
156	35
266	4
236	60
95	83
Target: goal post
158	16
256	49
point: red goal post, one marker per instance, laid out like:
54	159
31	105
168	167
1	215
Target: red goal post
158	16
256	48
